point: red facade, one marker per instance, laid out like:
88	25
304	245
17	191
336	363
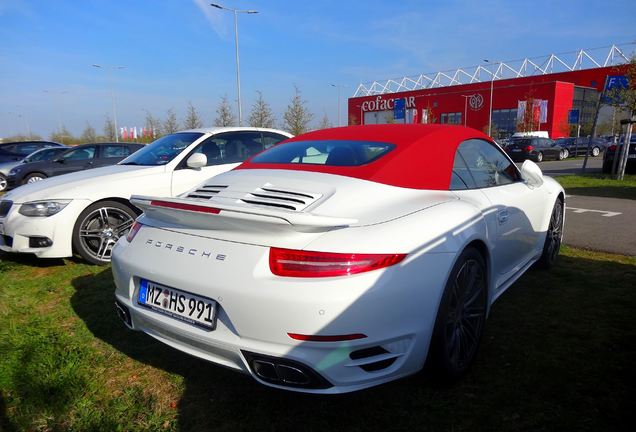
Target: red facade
473	100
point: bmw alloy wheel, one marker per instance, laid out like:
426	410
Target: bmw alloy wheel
100	229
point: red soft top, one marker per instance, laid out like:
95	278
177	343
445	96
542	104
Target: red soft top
423	157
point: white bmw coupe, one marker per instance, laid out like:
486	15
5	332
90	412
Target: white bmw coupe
86	212
342	258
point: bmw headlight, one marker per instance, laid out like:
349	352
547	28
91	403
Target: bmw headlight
42	208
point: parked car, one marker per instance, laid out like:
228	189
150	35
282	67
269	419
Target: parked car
613	150
87	211
534	148
15	151
342	258
578	146
46	153
78	158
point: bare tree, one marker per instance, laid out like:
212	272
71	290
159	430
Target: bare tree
88	135
109	129
170	124
153	124
297	116
192	120
261	114
324	122
224	114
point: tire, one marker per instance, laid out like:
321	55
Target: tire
596	151
566	153
539	157
553	237
3	182
98	228
561	155
461	316
34	177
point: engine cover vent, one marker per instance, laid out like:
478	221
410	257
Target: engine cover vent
206	191
271	196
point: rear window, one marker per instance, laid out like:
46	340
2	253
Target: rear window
327	153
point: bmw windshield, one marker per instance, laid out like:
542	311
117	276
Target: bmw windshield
163	150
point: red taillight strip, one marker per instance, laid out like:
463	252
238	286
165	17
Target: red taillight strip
325	338
136	226
312	264
183	206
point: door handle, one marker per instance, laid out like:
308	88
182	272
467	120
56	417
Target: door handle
502	216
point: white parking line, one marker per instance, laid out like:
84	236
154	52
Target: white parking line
604	213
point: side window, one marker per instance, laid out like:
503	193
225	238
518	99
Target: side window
80	154
271	138
231	147
461	177
487	164
115	151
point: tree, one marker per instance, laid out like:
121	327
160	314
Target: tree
261	114
88	135
529	119
324	122
192	120
153	124
109	129
170	124
297	116
224	114
62	136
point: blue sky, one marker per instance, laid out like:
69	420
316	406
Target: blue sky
177	51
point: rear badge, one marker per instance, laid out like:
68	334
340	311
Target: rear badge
185	250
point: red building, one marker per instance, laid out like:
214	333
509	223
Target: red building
553	96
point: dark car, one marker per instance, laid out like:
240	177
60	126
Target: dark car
534	148
42	154
78	158
613	150
578	146
15	151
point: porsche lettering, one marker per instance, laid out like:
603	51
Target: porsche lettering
183	249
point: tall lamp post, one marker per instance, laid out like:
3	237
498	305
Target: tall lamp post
238	65
56	99
109	70
338	86
492	82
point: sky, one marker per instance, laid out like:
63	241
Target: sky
177	52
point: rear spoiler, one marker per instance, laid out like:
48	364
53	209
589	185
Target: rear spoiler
171	209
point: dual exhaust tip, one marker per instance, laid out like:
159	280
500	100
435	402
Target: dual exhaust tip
285	372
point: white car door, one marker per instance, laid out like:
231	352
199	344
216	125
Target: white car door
511	208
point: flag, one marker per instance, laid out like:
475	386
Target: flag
134	132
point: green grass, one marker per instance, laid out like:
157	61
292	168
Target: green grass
599	185
558	354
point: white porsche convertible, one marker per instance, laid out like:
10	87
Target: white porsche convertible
342	258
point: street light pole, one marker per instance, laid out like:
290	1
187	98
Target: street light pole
492	82
109	71
238	65
338	86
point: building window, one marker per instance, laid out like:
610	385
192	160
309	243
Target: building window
451	118
505	122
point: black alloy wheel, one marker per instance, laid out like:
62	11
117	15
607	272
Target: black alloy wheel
461	316
553	237
98	228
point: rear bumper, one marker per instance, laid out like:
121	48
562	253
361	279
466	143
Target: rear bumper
256	312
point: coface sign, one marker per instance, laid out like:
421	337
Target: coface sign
380	104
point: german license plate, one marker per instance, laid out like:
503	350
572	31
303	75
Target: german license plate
190	308
516	150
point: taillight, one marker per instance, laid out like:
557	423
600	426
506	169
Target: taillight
299	263
134	229
529	148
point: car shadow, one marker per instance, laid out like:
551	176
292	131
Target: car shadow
8	260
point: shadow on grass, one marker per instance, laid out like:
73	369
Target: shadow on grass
623	192
11	260
558	354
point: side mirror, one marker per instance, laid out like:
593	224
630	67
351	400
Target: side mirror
531	173
197	161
